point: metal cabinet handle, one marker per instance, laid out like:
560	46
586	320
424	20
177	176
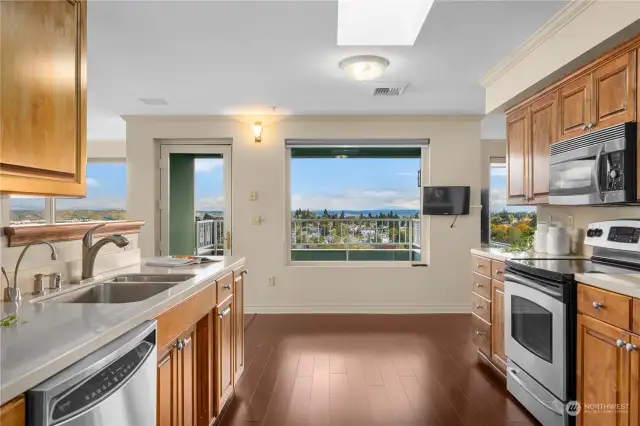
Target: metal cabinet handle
597	305
590	126
179	345
227	286
584	127
480	333
479	285
630	347
225	312
499	271
478	306
621	343
185	342
478	265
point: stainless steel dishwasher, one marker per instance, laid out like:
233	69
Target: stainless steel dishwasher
116	385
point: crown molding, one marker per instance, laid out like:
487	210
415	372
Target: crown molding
555	24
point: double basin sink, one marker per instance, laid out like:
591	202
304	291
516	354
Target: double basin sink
125	288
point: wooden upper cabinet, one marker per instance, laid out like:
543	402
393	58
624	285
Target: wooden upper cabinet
43	97
13	413
614	92
517	142
544	132
574	107
603	372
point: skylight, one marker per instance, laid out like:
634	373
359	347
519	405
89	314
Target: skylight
381	22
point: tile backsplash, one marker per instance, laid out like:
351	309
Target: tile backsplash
37	260
582	216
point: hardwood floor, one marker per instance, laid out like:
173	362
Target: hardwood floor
367	370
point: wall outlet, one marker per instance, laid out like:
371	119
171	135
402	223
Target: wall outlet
271	281
570	223
256	220
253	195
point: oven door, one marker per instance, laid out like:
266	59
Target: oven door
581	176
535	332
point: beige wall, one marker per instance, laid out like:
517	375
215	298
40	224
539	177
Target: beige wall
565	50
441	287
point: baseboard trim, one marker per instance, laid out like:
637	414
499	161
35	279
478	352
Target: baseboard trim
350	309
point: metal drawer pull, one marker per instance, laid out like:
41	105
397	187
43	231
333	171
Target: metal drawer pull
620	343
179	345
227	286
478	285
630	347
478	306
479	265
499	271
479	333
225	312
598	305
185	342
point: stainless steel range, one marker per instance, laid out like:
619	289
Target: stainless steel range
541	316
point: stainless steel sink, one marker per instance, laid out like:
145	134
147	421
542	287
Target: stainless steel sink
114	292
147	278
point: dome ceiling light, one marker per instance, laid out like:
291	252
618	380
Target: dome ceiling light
364	67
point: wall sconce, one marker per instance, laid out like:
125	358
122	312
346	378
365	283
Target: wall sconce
257	130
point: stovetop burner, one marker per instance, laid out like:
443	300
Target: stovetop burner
565	269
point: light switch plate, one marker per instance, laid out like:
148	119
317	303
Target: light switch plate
253	195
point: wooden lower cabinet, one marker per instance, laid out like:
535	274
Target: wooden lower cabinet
13	413
177	379
603	374
498	353
238	323
224	353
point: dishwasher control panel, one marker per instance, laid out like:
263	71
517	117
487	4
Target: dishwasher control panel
101	384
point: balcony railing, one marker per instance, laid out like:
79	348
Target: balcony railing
210	237
355	239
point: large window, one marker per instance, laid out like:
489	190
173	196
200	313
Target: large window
509	224
106	196
105	200
355	204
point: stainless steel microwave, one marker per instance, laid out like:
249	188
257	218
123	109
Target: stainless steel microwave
595	168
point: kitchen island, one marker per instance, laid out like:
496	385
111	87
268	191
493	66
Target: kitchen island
51	335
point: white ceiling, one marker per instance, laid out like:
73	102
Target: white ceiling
242	57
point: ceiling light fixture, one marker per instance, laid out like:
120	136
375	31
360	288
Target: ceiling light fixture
257	131
364	67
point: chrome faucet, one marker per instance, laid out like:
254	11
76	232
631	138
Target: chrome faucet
13	293
90	250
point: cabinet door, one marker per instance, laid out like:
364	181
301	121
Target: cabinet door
224	353
13	413
602	372
498	354
238	312
517	142
614	99
574	106
187	382
43	99
167	409
544	132
204	383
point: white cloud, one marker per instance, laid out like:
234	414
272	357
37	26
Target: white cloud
105	203
210	203
498	199
359	200
93	182
205	165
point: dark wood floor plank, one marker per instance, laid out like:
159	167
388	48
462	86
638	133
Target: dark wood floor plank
366	370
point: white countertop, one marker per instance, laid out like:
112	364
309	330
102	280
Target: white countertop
627	284
56	335
498	254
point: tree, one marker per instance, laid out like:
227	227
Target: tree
326	213
342	214
361	215
370	215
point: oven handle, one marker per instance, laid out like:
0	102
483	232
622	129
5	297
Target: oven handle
512	373
596	171
530	283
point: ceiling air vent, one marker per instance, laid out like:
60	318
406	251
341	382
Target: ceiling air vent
388	89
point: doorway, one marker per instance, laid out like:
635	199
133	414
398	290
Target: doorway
195	200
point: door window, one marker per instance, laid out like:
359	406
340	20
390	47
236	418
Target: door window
531	326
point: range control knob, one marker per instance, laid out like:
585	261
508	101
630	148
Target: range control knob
613	174
590	233
598	232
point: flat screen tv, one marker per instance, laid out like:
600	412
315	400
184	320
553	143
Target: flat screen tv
445	200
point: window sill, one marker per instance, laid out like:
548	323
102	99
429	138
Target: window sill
20	235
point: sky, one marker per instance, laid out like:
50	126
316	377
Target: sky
498	194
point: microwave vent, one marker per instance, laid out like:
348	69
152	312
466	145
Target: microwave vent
605	135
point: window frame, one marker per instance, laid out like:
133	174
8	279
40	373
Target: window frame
425	222
50	202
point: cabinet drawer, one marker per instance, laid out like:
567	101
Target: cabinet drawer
497	270
481	265
481	307
635	323
225	287
481	285
481	334
606	306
